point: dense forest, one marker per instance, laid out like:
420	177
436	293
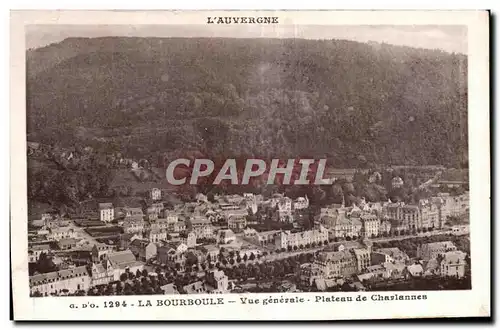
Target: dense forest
353	103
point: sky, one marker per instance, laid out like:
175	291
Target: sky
444	37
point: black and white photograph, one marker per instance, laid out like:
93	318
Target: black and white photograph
248	154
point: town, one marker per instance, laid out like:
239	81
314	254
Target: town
223	243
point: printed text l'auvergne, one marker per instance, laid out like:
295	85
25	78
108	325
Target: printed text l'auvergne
243	20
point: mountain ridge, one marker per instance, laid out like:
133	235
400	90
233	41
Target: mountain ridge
288	93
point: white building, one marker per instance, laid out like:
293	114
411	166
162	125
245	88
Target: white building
453	264
287	239
155	194
106	212
60	282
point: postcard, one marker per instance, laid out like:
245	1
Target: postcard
250	165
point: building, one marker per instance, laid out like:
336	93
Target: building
237	223
67	243
432	250
59	233
201	227
133	214
217	281
375	272
267	237
285	209
60	282
155	194
133	225
195	288
363	259
453	264
415	270
143	249
169	288
336	264
211	252
384	255
370	225
286	239
100	251
397	182
225	236
411	218
35	251
188	238
106	212
309	273
101	273
454	206
156	235
301	203
123	262
172	254
127	238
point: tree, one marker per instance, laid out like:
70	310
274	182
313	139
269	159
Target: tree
144	273
301	246
245	258
295	248
45	264
138	274
252	256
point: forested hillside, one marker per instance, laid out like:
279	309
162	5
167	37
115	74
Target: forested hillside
357	104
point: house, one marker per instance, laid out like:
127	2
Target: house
127	238
397	182
211	252
286	239
336	264
35	251
106	212
195	288
285	209
59	233
143	249
67	280
301	203
67	243
370	225
169	289
133	214
396	269
237	222
101	273
181	226
432	250
155	194
375	272
188	238
156	235
172	253
133	225
225	236
100	251
217	282
122	262
384	255
201	227
363	258
415	270
453	264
